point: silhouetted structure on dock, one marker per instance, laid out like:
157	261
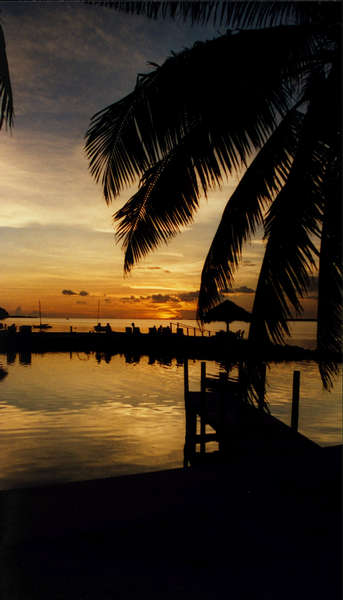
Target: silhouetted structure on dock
170	344
239	427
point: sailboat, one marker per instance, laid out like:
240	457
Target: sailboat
41	325
99	327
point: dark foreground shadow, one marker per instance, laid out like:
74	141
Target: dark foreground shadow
248	531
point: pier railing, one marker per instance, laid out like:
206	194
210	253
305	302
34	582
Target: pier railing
236	425
175	327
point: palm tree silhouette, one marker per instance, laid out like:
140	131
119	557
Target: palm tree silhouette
266	98
6	97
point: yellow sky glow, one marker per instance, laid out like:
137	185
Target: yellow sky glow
56	232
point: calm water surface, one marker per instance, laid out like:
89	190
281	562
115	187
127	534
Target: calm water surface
67	417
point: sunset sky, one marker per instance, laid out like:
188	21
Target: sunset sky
67	61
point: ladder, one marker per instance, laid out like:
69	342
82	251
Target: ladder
206	407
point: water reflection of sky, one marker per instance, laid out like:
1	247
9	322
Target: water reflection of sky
68	417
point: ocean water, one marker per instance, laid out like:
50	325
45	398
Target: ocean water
76	416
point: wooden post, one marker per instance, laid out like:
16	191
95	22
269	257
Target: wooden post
185	378
194	331
190	417
203	409
295	400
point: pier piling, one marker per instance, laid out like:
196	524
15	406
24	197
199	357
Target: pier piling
295	400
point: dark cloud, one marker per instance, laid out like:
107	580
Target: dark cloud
188	296
162	298
80	302
72	293
130	299
108	300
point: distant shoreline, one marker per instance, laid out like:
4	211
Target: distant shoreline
123	318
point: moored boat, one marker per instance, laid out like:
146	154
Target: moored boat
41	325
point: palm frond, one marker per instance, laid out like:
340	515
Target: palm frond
330	285
243	213
168	196
110	159
130	136
195	12
6	96
165	202
230	14
273	14
292	223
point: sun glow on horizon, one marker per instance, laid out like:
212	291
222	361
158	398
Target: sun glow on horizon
56	233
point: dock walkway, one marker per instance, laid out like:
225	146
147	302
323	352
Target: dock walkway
237	426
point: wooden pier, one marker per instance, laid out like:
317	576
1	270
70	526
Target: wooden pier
173	345
237	426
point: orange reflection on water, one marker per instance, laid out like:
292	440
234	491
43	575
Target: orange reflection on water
76	416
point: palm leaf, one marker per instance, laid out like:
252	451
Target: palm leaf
330	285
109	158
273	14
6	97
330	301
293	220
130	136
244	211
168	196
166	201
241	14
169	191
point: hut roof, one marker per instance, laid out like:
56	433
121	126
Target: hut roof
227	311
